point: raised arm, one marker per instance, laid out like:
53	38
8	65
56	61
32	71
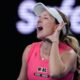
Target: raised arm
60	65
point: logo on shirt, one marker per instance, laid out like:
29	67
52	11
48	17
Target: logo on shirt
39	70
41	75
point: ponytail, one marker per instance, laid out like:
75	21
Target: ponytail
73	43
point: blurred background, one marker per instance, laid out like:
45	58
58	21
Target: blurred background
18	25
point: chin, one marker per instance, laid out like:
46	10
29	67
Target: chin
40	37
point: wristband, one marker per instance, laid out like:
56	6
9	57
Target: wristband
48	40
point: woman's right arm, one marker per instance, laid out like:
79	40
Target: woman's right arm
23	71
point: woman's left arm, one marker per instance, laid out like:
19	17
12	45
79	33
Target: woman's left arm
61	65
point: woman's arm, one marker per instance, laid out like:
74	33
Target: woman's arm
61	65
23	71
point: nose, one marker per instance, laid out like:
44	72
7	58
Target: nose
40	20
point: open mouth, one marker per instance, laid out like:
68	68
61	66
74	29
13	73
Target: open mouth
40	28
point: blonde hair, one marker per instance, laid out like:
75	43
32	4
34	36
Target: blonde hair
73	43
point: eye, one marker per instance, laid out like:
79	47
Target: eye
46	18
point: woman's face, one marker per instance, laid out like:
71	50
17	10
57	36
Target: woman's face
46	25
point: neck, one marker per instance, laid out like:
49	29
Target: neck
45	49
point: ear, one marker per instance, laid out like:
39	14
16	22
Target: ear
61	27
56	26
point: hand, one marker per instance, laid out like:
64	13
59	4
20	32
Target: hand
55	36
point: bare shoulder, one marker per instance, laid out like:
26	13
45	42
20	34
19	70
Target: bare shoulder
27	48
25	52
69	57
69	53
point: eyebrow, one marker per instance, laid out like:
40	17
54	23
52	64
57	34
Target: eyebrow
44	16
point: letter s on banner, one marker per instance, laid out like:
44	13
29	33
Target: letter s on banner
27	23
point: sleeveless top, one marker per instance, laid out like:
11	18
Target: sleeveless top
38	69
